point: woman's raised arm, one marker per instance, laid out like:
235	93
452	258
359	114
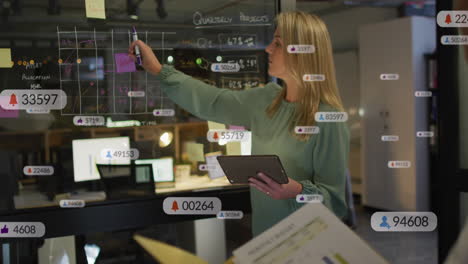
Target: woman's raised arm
202	100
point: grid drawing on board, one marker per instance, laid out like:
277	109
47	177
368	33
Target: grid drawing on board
99	78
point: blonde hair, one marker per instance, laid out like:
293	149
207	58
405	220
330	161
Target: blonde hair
302	28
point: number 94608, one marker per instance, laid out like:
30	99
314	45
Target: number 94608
411	221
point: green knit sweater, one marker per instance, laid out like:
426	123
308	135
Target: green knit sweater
319	164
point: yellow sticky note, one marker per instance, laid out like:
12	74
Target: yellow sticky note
5	58
233	148
214	126
195	151
95	9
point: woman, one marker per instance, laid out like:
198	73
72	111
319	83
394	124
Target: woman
315	164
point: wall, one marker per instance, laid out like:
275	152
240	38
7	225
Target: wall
343	27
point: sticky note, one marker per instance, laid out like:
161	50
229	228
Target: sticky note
214	125
240	148
232	127
4	113
124	63
195	151
5	58
233	148
95	9
8	113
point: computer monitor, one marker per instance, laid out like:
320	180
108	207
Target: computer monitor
139	173
125	181
87	153
163	170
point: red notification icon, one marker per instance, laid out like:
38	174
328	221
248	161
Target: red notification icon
13	100
448	19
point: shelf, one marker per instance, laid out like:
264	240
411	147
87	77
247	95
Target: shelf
58	137
99	129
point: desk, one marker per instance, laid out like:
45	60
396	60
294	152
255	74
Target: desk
107	216
126	214
31	198
200	184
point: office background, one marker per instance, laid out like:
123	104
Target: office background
435	183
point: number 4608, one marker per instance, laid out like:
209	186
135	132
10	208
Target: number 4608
20	229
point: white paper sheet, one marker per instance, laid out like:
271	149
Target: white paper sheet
312	234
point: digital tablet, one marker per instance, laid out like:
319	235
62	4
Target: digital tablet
238	169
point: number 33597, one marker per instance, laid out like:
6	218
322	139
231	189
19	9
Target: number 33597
38	99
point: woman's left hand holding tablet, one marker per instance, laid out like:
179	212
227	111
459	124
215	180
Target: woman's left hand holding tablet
274	189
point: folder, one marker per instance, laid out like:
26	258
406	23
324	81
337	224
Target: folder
165	253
